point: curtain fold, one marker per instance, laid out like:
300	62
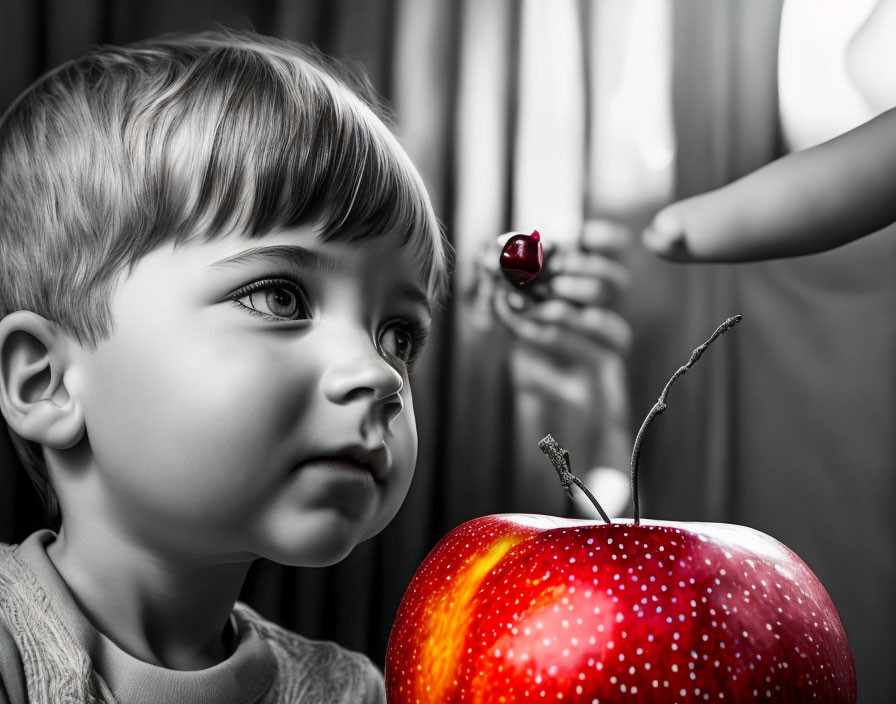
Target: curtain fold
548	193
549	154
476	474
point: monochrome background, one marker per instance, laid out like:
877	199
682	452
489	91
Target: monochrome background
549	114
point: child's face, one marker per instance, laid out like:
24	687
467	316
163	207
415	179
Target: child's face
252	399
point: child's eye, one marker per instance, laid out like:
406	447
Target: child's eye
274	299
402	340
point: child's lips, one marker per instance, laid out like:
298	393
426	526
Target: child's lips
355	458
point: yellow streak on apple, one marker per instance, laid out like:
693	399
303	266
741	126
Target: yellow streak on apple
447	632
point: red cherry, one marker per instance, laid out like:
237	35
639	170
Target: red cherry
522	258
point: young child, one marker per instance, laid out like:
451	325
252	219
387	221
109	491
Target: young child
216	270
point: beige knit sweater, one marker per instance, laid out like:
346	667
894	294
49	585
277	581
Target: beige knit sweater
51	654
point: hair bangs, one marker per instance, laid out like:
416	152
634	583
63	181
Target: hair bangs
374	191
277	147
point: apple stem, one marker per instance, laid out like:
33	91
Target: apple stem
660	406
560	459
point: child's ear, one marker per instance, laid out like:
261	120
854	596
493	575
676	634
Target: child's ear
34	399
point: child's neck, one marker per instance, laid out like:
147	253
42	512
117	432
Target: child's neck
163	612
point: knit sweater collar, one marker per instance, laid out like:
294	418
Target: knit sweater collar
240	679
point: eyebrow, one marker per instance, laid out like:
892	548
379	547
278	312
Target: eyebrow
415	295
295	255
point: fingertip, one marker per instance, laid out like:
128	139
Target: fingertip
665	236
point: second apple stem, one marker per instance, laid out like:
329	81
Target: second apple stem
660	406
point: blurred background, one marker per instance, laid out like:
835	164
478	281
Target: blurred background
576	116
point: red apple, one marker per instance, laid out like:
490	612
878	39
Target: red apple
517	608
522	258
520	608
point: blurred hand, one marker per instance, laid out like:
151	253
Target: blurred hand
807	202
566	365
568	313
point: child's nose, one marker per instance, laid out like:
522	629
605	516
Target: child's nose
363	374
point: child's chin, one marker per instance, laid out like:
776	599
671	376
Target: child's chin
320	559
321	550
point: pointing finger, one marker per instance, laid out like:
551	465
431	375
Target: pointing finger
806	202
